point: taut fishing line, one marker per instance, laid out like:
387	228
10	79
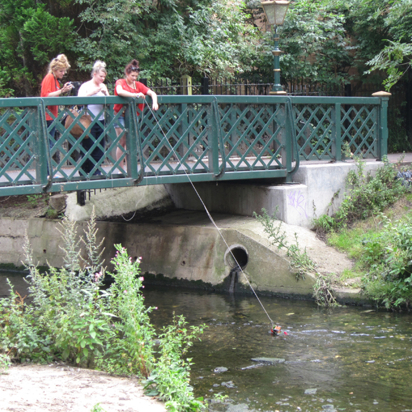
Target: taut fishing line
275	329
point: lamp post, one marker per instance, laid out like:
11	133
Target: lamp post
275	11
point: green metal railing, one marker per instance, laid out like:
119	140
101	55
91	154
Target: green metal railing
206	138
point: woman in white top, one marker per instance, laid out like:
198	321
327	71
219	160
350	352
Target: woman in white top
94	87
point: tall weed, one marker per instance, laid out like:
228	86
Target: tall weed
300	261
71	317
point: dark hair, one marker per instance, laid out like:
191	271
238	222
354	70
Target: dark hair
133	66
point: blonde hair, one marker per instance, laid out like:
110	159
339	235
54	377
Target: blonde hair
58	63
99	66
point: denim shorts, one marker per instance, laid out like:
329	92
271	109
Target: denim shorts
120	122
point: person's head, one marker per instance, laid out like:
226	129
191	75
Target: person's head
99	71
59	66
132	70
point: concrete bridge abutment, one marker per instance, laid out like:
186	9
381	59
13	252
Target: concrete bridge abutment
317	189
182	243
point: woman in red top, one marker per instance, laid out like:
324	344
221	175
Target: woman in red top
130	87
50	88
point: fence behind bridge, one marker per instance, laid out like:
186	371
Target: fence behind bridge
209	138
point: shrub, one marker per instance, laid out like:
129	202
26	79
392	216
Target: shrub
388	255
366	195
72	318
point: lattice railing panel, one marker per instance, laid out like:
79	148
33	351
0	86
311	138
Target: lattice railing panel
175	139
73	158
17	144
314	131
359	124
251	136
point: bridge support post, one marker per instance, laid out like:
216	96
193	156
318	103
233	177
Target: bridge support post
37	122
213	141
285	138
383	129
183	127
288	142
132	143
382	123
336	133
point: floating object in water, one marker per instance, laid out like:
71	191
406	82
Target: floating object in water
275	330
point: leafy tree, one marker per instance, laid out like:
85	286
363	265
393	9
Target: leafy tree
315	45
316	51
395	58
30	37
169	37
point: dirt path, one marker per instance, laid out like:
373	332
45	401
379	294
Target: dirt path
61	388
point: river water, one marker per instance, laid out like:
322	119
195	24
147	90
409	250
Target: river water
342	359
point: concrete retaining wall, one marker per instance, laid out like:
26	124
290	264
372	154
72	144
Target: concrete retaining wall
189	252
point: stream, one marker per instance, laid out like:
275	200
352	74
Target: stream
342	359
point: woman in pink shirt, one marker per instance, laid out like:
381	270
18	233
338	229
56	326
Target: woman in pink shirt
130	87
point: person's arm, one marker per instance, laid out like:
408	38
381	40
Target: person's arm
124	93
67	87
153	95
49	86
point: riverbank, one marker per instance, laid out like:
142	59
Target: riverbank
61	388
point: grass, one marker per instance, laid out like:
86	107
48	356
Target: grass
350	240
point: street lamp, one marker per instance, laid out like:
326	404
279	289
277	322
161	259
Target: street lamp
275	11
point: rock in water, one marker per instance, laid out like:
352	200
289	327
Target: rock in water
268	360
220	369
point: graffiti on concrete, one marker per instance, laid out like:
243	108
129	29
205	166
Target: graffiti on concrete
297	200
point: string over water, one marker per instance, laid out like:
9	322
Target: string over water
214	223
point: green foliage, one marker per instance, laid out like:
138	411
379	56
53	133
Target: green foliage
51	213
5	90
388	255
394	59
21	337
35	200
31	35
316	50
301	263
349	241
366	195
171	373
129	349
396	54
72	318
4	363
97	408
383	251
169	38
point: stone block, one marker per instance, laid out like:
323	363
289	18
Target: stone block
58	202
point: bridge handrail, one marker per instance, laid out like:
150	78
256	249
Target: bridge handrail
110	100
212	137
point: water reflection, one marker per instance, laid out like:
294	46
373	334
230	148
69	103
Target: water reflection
348	358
